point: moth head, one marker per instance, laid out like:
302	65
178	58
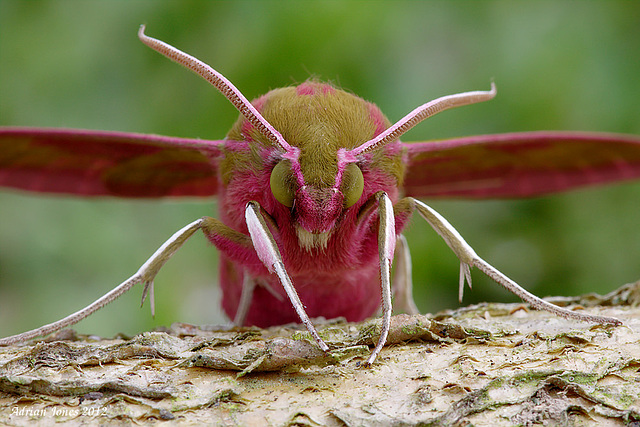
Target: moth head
314	180
322	137
285	188
315	210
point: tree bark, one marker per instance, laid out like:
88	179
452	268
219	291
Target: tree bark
488	364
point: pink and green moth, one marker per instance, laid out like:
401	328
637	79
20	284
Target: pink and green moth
315	189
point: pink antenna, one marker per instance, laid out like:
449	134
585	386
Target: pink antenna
221	83
423	112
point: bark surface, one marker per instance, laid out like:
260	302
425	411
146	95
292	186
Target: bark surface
488	364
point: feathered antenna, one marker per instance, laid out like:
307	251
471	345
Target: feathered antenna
221	83
423	112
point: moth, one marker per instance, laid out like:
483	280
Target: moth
315	189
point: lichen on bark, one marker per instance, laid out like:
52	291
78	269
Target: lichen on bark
487	364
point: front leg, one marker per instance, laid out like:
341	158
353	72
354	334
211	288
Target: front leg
468	258
268	252
386	248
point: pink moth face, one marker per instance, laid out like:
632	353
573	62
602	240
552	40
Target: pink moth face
319	179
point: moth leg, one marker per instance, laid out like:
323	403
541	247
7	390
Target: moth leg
145	275
248	286
468	258
269	254
401	285
386	248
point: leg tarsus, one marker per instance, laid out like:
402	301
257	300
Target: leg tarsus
74	318
536	302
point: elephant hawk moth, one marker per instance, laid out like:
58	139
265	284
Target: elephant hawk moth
315	188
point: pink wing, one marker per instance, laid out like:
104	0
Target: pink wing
519	164
97	163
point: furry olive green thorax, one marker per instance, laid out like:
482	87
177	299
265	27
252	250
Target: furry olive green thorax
317	118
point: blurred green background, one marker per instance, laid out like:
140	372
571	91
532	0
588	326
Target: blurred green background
558	65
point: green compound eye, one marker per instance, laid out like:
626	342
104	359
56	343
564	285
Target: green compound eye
352	184
281	182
